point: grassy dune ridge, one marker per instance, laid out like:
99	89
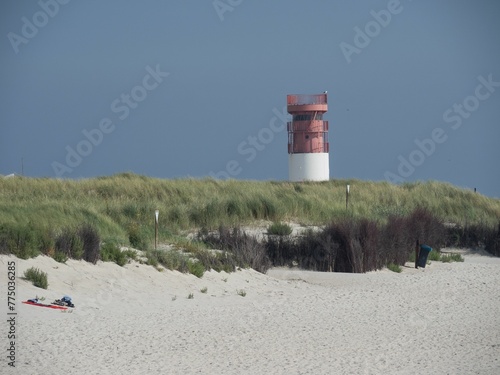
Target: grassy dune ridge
122	204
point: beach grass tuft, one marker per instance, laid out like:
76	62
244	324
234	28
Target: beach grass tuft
111	252
394	267
37	277
447	258
434	255
279	229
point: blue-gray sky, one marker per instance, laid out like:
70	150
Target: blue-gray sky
173	89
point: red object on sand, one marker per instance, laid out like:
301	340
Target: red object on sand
45	305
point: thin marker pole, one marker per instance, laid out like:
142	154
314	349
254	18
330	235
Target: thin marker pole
156	228
347	196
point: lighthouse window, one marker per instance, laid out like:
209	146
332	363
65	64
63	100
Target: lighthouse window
307	136
302	118
318	116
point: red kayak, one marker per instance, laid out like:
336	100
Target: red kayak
45	305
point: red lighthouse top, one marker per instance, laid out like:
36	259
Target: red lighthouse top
307	132
302	99
307	103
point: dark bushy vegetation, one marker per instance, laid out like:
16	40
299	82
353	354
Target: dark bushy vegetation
345	245
69	243
28	241
475	236
492	241
82	242
91	242
20	240
240	249
351	245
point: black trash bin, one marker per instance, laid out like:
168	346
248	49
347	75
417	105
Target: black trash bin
423	254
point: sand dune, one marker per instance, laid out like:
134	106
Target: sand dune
444	319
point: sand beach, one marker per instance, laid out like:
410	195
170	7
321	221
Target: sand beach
444	319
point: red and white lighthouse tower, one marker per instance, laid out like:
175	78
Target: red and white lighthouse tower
308	147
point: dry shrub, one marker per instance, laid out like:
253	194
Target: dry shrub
476	236
91	242
82	242
245	250
492	244
350	245
369	239
427	227
69	243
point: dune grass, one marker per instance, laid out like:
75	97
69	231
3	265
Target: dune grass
112	202
122	206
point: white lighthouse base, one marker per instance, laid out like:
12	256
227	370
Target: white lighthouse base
308	167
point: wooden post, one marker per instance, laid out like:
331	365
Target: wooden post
156	228
347	196
417	253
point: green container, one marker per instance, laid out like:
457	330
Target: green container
423	254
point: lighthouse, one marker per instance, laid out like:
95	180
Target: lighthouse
308	147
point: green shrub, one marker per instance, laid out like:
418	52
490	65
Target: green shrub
137	236
279	229
130	253
446	258
196	268
411	257
46	242
110	252
176	260
394	267
152	260
204	290
434	255
216	260
60	257
173	260
241	293
37	277
20	240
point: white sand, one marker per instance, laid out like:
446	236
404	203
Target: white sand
444	319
